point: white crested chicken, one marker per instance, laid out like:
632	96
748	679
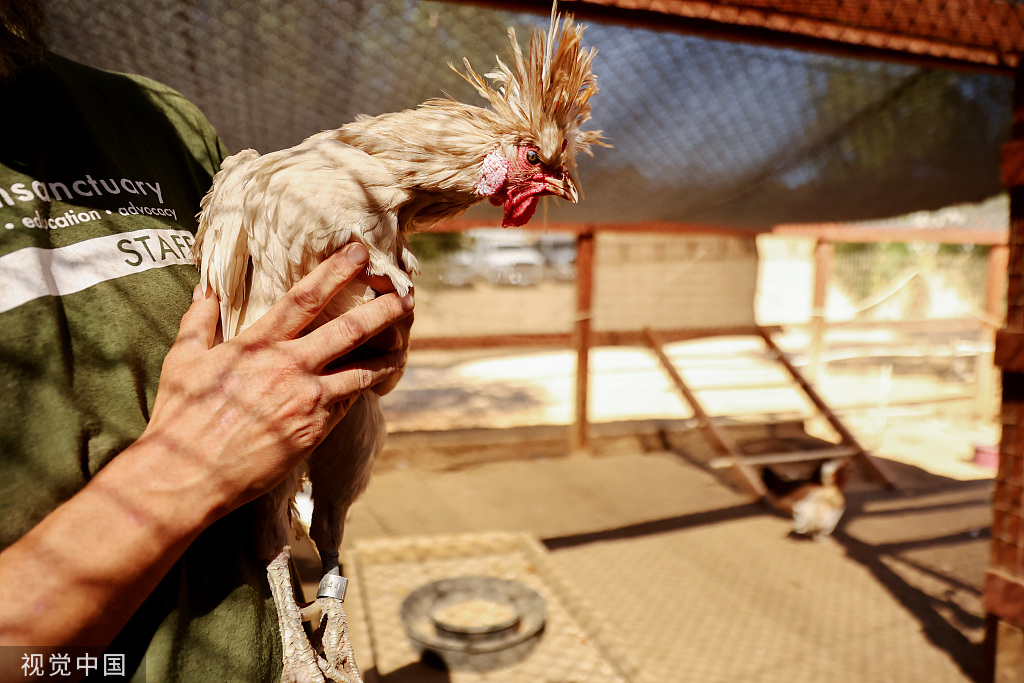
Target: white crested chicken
269	220
816	504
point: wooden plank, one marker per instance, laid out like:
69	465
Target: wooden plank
848	438
995	283
742	385
748	478
1003	592
1003	595
1012	166
982	35
565	340
905	325
788	457
824	255
672	227
639	338
995	312
489	341
844	232
833	232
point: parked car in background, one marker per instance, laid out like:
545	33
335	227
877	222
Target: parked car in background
559	251
457	269
510	264
499	257
510	257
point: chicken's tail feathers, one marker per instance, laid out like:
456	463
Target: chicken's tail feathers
222	243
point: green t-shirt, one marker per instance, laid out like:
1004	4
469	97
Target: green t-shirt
101	175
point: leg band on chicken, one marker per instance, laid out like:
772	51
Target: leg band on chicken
338	661
337	471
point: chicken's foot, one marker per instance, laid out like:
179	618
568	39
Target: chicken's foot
338	662
300	661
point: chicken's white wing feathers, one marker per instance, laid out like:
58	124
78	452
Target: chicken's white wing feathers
222	248
269	220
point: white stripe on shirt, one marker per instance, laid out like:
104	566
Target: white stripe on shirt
31	273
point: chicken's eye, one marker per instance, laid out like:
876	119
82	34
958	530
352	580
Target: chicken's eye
533	157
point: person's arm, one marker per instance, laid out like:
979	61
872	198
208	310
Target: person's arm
229	422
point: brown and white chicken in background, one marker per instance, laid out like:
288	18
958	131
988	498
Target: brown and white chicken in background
269	220
816	504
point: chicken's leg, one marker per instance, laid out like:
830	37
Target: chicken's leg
339	471
300	661
338	662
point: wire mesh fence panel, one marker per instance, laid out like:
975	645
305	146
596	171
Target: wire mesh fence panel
926	303
518	282
673	282
480	292
482	308
897	281
704	131
906	327
502	283
904	337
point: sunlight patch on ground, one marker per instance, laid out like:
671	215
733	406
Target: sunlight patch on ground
627	383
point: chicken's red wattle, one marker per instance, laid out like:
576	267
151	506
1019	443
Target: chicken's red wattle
521	203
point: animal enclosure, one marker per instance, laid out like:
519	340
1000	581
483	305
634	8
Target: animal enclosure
738	114
503	355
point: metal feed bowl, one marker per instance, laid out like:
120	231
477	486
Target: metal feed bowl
474	622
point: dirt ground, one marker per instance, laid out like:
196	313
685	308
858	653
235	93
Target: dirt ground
703	584
686	578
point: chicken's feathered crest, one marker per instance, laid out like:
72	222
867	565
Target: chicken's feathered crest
545	94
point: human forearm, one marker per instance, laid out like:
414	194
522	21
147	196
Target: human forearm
79	575
230	421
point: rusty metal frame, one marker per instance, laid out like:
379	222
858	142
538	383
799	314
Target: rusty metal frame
981	35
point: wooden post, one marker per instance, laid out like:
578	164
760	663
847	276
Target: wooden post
995	313
580	441
995	283
824	255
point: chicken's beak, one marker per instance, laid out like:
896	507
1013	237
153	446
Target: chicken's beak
562	187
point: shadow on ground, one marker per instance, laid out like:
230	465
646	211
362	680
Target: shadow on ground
659	526
423	671
927	543
656	537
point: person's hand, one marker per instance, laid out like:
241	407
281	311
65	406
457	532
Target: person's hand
244	413
390	339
